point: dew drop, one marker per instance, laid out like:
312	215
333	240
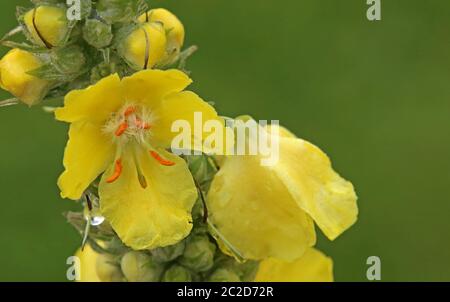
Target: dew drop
97	220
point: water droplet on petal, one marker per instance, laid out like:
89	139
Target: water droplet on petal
97	220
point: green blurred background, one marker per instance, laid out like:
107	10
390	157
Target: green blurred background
374	95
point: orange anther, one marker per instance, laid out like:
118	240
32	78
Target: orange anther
161	160
130	110
121	129
117	172
142	125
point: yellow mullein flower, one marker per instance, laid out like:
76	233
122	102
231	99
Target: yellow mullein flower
313	266
172	25
14	77
47	25
268	211
145	46
88	260
123	127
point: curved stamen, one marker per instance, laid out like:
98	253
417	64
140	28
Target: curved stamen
129	111
121	129
117	172
142	125
161	160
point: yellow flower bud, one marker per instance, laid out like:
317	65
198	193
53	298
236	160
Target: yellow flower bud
145	46
47	25
172	25
107	269
15	79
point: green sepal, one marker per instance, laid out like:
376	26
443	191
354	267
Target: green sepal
224	275
168	253
120	11
245	270
106	68
63	65
138	266
177	273
102	232
199	253
97	33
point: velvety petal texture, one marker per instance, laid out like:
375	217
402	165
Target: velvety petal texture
95	103
307	171
183	106
313	266
88	153
151	86
254	211
153	216
267	211
317	189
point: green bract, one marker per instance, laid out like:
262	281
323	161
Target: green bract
64	64
140	267
199	254
169	253
177	273
224	275
97	33
119	11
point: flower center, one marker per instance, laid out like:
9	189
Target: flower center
132	123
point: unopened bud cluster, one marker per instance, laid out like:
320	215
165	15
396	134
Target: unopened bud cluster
196	258
113	36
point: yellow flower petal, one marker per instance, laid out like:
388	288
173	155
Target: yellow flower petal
282	132
88	153
245	195
95	103
88	259
313	266
151	86
253	211
309	177
181	106
155	216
